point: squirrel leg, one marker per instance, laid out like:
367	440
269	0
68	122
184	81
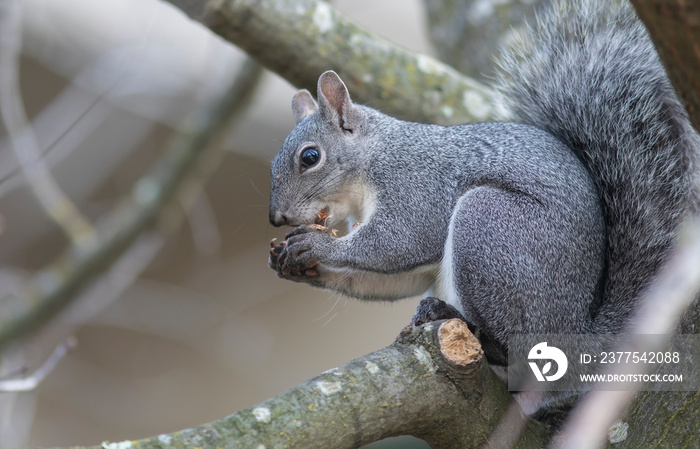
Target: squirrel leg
497	272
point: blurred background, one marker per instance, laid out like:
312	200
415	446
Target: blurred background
103	106
189	325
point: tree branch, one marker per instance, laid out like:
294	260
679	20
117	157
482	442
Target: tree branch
468	33
301	39
54	287
377	396
674	27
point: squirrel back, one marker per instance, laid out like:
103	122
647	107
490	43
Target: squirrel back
588	74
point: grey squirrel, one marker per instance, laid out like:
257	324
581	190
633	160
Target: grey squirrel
553	224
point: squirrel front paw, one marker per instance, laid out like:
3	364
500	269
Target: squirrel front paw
297	257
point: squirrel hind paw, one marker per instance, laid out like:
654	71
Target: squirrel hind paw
434	309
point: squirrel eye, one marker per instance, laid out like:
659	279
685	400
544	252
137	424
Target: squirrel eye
309	157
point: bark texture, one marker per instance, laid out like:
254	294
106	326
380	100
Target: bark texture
299	40
407	388
468	33
674	26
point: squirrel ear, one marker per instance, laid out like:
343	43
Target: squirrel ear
334	99
303	105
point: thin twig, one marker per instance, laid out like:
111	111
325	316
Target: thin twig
30	382
54	287
206	234
23	141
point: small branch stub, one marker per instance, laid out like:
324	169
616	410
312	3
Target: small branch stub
457	344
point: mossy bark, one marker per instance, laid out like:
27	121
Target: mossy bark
407	388
301	39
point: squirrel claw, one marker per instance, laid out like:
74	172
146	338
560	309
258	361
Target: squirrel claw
289	259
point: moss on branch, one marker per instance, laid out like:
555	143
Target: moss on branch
407	388
299	40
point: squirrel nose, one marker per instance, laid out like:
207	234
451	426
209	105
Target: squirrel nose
278	219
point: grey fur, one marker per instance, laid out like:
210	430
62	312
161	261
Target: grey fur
554	225
589	75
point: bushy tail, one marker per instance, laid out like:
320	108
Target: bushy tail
589	74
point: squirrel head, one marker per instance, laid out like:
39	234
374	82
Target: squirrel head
320	164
